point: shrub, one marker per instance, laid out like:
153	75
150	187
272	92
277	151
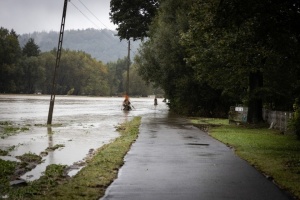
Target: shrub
295	121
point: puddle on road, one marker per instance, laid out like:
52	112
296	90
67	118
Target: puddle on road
79	124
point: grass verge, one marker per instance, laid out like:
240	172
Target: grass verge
91	181
274	154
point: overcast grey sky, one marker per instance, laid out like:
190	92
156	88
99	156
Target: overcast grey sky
27	16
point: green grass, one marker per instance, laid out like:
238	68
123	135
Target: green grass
274	154
7	169
57	146
8	129
209	121
3	152
90	182
30	157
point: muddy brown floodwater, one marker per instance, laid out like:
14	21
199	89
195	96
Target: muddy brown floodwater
79	124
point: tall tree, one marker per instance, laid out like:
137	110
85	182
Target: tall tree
133	17
47	60
162	61
116	79
239	43
31	68
10	53
31	48
138	86
271	39
33	74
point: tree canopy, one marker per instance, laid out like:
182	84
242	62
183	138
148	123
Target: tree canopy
31	48
210	54
26	70
132	17
10	53
252	39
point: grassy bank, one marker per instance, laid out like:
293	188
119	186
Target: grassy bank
274	154
91	182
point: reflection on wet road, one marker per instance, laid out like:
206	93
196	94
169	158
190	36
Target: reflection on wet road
79	123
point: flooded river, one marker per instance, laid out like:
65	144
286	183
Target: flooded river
79	124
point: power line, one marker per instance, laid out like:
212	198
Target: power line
93	14
97	19
85	15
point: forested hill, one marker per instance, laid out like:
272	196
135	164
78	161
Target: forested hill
101	44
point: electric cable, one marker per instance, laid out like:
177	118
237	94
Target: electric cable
133	52
102	22
84	15
93	14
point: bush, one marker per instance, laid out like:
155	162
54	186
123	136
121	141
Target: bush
295	122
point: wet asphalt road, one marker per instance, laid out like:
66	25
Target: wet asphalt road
173	160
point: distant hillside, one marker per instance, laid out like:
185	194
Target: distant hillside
101	44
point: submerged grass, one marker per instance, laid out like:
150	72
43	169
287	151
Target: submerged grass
92	181
8	129
274	154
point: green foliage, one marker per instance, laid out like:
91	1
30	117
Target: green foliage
8	129
116	70
208	55
3	152
30	157
162	60
210	121
33	74
132	18
161	57
57	146
230	40
31	48
295	121
137	87
54	170
117	76
78	74
7	169
10	53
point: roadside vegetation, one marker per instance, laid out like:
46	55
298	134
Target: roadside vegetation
89	183
275	155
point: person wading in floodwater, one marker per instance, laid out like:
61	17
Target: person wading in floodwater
126	104
155	101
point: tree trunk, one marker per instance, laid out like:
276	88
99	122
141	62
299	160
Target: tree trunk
255	99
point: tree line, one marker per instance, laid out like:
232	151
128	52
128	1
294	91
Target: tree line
208	55
27	70
101	44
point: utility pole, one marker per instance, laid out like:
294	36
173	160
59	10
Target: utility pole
128	65
58	54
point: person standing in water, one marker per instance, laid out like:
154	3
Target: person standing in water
126	103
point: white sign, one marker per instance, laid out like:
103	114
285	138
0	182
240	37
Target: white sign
239	109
